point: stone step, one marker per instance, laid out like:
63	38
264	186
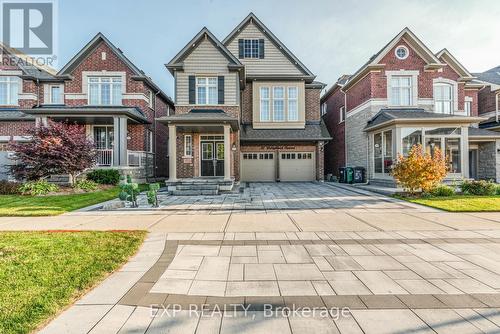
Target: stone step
195	192
197	187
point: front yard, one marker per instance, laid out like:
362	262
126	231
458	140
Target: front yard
460	203
19	205
41	272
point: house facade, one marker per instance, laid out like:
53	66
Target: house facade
489	98
99	89
246	109
406	95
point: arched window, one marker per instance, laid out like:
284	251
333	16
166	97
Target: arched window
443	98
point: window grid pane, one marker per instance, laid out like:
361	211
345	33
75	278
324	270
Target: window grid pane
293	114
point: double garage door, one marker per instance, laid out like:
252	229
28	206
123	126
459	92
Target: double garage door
265	166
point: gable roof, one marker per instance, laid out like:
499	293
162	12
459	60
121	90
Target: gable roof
252	18
455	64
407	35
90	46
492	75
176	62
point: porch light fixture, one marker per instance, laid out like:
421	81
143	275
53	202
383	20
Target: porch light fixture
233	147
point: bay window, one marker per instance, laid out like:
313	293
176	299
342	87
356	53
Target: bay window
293	111
443	98
278	104
9	90
265	112
206	90
105	90
401	90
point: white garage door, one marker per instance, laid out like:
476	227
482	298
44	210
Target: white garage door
258	166
297	166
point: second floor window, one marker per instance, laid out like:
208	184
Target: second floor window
251	48
293	108
9	90
105	90
55	95
278	104
265	110
206	90
341	114
401	91
468	107
443	98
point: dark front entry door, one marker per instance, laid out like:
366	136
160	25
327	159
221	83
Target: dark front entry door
212	158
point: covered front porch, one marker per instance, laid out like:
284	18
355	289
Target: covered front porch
119	136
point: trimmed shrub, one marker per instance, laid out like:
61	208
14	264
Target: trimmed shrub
104	176
498	189
479	188
37	188
9	188
442	191
86	185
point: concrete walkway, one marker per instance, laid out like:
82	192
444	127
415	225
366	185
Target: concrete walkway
365	269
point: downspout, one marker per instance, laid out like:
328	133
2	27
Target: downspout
154	134
38	92
497	110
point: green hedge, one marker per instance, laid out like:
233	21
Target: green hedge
104	176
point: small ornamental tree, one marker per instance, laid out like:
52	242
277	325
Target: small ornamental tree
58	148
419	170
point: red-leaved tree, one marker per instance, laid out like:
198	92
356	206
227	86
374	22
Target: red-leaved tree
58	148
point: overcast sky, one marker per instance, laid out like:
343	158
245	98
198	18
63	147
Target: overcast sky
330	37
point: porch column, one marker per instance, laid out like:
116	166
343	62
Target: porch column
172	153
227	152
120	154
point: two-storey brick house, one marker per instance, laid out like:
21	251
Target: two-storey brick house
100	89
246	109
406	95
489	98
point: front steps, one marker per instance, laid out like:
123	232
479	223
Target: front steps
199	186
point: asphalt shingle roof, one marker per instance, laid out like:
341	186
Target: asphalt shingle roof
478	132
14	114
316	131
491	75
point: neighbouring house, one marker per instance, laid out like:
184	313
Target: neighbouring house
100	89
406	95
246	109
489	98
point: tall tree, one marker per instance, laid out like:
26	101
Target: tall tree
58	148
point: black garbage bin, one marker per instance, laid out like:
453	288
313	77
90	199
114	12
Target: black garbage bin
359	175
342	175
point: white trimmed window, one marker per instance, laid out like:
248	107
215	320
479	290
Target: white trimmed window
468	108
188	146
150	141
443	98
401	90
105	90
293	108
206	90
324	107
251	48
278	104
265	112
341	114
9	90
55	94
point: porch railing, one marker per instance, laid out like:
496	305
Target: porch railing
104	157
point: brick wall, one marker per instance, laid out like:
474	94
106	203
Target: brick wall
312	106
247	104
15	128
334	150
486	100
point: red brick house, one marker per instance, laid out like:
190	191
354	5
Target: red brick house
406	95
489	98
246	109
100	89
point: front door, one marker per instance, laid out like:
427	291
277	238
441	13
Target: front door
212	158
104	141
473	163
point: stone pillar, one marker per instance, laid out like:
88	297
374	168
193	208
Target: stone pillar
172	153
120	154
227	152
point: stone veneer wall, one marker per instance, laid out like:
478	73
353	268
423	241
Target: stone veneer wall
488	164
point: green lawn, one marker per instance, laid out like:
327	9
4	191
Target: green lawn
41	272
460	203
18	205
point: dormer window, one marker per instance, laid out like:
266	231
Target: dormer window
401	52
443	98
105	90
9	90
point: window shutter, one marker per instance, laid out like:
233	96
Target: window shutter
261	48
220	86
192	89
240	48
